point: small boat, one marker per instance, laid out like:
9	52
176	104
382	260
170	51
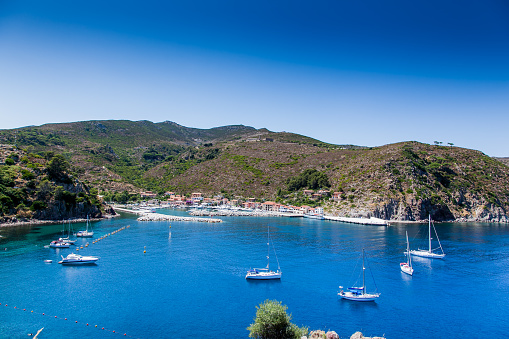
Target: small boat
86	233
265	273
59	244
76	259
359	293
429	252
406	267
48	261
314	216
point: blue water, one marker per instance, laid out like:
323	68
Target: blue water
190	282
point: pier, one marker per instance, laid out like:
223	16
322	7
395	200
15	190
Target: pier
361	221
149	216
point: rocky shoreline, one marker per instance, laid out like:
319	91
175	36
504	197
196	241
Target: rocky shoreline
49	222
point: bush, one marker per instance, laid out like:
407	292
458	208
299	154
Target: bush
272	322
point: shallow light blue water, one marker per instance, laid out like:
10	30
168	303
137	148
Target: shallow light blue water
190	281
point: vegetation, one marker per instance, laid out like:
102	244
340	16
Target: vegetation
272	322
400	181
310	179
34	187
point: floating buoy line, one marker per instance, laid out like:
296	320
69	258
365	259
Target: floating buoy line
103	237
109	234
81	323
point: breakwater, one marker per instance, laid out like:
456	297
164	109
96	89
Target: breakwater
237	213
144	216
257	213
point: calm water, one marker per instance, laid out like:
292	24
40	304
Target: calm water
190	281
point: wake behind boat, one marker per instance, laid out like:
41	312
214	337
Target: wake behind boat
76	259
429	252
265	273
359	293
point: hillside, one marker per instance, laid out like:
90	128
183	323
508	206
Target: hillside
404	181
34	187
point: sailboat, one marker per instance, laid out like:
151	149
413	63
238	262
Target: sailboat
429	252
86	233
265	273
66	239
406	267
359	293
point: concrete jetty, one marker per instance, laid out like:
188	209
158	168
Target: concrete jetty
361	221
145	216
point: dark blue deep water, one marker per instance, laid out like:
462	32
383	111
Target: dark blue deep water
190	282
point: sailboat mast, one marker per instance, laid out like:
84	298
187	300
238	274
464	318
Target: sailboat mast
429	231
363	274
268	247
409	257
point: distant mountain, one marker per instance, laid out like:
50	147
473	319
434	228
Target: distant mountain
403	181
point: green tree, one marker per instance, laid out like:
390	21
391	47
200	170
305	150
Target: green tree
272	322
57	166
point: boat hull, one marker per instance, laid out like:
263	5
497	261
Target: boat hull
427	254
84	262
264	276
406	269
85	234
358	297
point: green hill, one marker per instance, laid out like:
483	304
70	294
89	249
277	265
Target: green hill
36	187
404	181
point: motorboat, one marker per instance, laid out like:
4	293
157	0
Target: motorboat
76	259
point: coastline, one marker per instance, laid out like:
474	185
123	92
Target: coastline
50	222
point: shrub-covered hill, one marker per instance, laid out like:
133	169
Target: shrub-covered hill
117	154
34	187
404	181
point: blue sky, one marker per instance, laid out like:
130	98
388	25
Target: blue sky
345	72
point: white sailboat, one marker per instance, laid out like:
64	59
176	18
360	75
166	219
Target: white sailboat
265	273
359	293
406	267
86	233
66	239
429	252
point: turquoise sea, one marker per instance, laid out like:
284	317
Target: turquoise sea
190	282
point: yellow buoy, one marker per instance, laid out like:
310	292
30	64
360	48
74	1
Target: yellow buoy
144	249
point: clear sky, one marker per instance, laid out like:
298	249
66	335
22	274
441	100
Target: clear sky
365	72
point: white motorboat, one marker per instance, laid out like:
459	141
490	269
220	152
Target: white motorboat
86	233
406	267
76	259
429	252
359	293
265	273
